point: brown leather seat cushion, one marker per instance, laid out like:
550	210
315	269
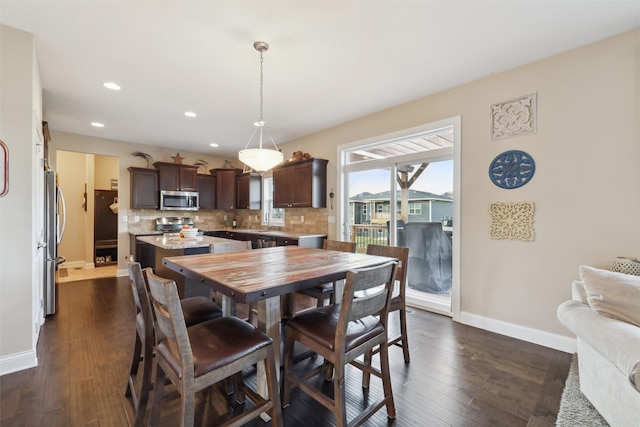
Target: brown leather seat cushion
216	343
320	324
199	309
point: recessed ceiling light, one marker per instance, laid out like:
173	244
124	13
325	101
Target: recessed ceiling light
111	85
213	144
97	124
190	114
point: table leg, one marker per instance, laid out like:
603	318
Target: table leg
228	305
269	322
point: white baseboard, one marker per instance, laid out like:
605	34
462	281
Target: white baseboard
18	361
122	273
535	336
72	264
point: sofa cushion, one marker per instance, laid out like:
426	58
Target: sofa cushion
578	292
612	294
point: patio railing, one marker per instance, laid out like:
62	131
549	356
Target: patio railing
364	235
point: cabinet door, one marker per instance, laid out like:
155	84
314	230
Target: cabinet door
188	179
249	188
281	188
301	179
207	190
144	188
169	178
226	188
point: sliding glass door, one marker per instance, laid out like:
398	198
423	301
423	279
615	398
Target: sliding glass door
400	192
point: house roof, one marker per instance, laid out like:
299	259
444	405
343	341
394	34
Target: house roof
414	195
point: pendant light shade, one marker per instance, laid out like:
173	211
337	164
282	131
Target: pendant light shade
260	159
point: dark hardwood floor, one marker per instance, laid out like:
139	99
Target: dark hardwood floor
458	375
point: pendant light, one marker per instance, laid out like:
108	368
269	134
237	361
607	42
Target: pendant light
260	159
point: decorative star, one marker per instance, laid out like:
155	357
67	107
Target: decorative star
177	159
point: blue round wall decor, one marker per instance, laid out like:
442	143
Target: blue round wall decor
512	169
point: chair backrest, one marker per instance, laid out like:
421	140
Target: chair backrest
140	294
169	318
402	254
337	245
375	303
239	246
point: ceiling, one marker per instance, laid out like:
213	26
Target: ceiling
329	61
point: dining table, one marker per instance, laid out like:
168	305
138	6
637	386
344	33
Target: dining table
265	276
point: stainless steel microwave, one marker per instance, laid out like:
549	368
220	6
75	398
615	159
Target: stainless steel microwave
179	200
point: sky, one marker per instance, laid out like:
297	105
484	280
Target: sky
437	179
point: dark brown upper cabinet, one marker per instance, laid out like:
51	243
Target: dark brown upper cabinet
301	184
175	177
226	187
144	188
249	196
207	190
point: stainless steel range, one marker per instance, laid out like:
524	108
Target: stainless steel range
172	224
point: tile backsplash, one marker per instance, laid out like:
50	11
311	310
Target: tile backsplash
297	220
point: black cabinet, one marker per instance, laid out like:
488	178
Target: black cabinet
144	188
175	177
249	191
207	190
301	184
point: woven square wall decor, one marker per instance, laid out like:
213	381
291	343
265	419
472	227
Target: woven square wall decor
514	117
512	220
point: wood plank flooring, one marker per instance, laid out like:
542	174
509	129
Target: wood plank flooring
458	375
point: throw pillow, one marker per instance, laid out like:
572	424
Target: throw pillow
613	294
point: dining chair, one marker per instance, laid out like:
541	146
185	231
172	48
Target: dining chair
195	358
340	333
398	299
237	246
326	290
195	310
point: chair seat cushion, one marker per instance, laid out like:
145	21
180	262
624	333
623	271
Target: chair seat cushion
199	309
320	325
215	343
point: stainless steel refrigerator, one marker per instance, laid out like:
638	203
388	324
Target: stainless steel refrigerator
54	222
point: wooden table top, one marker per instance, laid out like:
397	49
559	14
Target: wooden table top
250	276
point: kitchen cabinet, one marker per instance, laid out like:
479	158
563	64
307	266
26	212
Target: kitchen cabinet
144	188
301	184
175	177
207	190
226	185
249	187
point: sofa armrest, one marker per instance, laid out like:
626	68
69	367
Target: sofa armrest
614	339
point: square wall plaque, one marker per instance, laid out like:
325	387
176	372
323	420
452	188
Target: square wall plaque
514	117
512	220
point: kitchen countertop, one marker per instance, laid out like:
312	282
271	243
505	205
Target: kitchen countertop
259	232
176	242
271	233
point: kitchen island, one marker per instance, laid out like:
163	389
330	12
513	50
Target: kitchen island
150	250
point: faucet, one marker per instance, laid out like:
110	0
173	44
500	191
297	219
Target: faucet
268	222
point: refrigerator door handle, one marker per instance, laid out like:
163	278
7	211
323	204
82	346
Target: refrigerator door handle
64	216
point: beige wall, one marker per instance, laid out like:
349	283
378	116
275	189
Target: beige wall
105	169
20	98
585	189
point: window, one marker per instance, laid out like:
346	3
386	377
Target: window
270	215
415	209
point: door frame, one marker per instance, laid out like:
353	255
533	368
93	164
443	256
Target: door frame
343	201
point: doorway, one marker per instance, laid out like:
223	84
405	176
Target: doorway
401	182
86	179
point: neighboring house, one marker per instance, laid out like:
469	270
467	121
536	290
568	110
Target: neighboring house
367	208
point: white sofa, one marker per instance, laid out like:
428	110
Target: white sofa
608	347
